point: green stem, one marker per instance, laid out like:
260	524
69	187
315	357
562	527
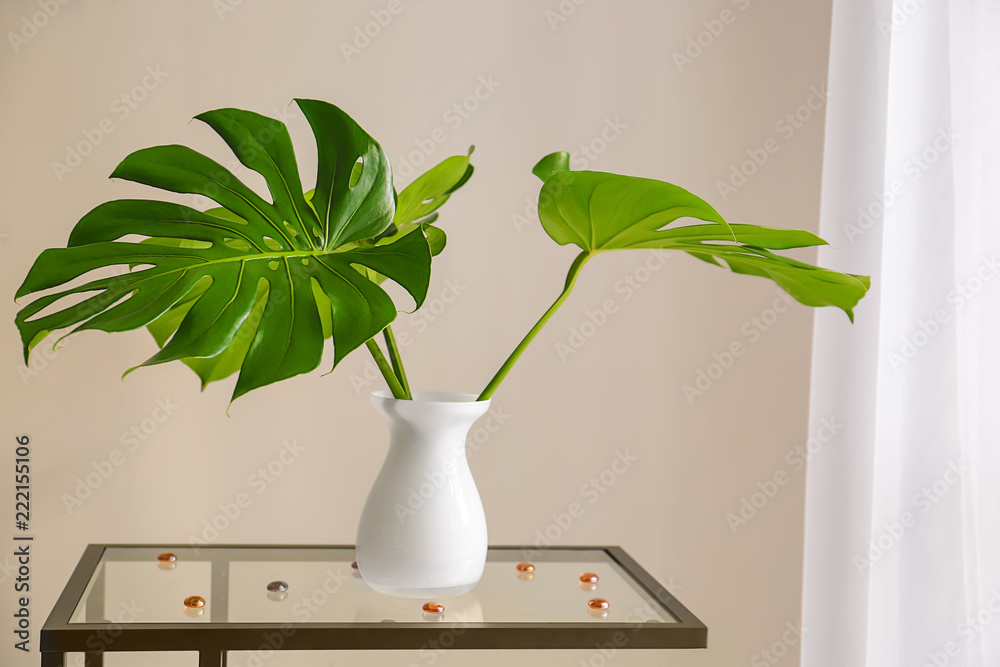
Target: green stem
397	360
574	271
383	365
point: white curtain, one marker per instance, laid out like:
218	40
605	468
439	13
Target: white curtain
902	555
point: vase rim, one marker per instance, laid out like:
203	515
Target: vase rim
441	397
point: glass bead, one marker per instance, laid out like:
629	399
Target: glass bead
598	603
277	587
166	561
433	608
525	567
194	602
589	577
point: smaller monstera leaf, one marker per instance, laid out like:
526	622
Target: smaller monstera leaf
258	280
417	205
599	212
429	191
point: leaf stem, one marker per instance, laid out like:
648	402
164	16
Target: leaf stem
383	365
396	360
574	271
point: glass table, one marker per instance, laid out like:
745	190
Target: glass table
214	599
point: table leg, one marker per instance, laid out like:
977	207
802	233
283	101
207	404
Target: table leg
53	659
211	659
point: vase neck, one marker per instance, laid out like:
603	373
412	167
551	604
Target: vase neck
431	417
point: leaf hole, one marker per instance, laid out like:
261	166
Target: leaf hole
305	261
291	230
225	214
237	244
359	166
271	243
273	265
195	244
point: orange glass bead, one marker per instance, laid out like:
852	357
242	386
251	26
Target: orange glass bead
598	604
589	577
525	567
166	561
434	608
194	602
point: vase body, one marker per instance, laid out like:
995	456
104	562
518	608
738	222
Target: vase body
423	530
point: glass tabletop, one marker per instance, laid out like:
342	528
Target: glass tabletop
241	585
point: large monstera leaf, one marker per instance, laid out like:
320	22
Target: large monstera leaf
598	212
292	262
416	209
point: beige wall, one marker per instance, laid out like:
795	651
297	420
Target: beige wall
556	86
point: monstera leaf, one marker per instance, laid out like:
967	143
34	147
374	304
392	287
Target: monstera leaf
599	212
416	209
417	205
429	191
293	261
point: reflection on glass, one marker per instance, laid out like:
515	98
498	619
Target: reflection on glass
166	561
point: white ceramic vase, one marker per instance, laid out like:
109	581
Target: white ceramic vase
423	530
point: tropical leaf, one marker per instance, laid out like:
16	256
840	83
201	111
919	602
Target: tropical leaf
284	260
429	191
417	205
416	208
599	212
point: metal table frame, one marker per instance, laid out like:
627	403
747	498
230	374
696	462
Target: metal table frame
213	640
